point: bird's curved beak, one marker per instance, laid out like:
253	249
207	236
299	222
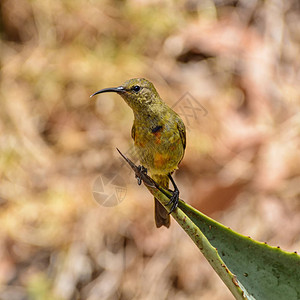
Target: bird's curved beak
118	89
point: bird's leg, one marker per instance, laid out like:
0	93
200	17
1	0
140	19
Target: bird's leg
141	169
175	195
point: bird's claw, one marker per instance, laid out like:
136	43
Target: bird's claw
141	169
174	200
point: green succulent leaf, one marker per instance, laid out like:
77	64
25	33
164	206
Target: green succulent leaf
250	269
253	270
265	272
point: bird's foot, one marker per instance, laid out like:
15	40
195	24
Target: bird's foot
141	169
174	200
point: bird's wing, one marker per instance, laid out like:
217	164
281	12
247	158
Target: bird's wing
182	133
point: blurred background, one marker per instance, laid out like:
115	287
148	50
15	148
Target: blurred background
73	222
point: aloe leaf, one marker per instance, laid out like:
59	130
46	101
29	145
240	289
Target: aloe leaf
257	270
209	252
265	272
250	269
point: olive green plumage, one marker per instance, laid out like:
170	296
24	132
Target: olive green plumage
158	132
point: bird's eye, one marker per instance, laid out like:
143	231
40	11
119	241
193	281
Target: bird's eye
136	88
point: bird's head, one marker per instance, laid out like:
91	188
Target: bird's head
138	93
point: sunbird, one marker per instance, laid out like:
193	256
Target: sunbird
159	137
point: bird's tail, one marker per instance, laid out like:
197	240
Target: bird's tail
162	217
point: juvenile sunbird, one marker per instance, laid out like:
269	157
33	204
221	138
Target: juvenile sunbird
159	137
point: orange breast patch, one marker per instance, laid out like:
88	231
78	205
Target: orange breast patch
157	137
157	133
160	160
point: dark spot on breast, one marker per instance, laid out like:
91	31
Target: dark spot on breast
156	129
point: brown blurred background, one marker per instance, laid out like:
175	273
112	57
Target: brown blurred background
229	68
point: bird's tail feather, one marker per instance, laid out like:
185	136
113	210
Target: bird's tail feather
162	217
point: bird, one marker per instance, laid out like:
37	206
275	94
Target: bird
159	137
